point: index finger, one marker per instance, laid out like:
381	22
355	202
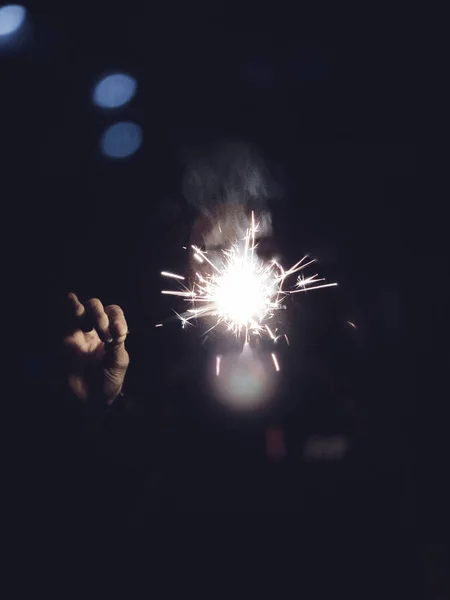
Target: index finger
77	308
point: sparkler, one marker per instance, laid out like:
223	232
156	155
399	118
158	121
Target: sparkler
239	291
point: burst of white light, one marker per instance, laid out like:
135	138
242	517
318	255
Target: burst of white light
239	291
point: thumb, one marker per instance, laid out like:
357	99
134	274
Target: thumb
116	356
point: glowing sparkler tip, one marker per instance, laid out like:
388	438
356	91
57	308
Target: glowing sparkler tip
239	290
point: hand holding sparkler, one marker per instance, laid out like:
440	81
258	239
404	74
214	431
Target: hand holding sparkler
95	349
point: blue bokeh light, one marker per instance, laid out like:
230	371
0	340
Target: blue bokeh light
114	90
12	17
121	140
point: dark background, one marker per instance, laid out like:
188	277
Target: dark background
333	101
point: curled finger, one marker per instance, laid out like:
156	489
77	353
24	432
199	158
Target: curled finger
97	316
117	324
76	313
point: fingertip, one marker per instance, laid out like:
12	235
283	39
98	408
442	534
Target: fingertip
119	331
115	344
73	298
76	306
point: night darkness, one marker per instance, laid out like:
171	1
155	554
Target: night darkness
331	105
